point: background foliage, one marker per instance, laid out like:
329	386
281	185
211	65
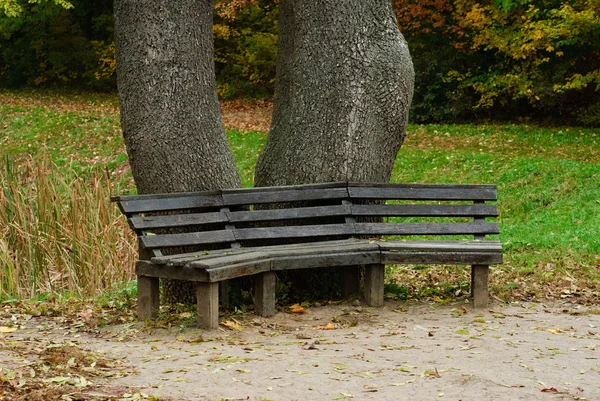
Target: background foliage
504	59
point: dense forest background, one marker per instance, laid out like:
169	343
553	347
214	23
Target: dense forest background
509	60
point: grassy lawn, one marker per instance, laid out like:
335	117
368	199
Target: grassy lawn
548	184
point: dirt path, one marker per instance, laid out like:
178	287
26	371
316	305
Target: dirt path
410	351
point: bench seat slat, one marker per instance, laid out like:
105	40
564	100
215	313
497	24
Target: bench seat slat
238	270
426	228
232	259
426	210
248	256
184	258
440	246
326	260
149	269
425	192
441	258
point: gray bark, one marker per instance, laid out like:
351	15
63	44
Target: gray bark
170	115
343	91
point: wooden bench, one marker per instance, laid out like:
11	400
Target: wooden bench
210	237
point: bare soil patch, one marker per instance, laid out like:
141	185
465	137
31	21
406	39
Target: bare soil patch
424	351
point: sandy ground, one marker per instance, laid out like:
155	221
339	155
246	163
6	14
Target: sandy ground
413	351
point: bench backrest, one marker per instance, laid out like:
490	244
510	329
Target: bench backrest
302	213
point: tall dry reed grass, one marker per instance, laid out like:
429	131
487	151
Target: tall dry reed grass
59	233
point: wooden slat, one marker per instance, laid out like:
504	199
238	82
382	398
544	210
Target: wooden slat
183	258
424	192
139	203
167	202
440	246
234	259
147	268
425	210
282	194
326	260
178	220
309	249
288	214
425	228
293	231
438	258
285	188
239	270
186	239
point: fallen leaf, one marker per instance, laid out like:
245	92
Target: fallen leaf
342	396
86	314
4	329
555	331
232	325
329	326
297	308
551	390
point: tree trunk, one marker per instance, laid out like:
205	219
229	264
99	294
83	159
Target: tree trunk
170	114
343	90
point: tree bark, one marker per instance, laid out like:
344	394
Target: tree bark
343	91
170	114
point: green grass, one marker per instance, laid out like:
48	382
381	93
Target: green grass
548	182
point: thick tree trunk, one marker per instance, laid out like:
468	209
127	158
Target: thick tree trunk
170	115
169	108
344	86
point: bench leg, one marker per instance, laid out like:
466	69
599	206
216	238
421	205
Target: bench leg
374	284
479	285
264	294
148	297
350	280
207	306
224	293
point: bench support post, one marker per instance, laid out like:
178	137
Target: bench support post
224	293
207	305
264	294
148	297
350	280
479	285
374	275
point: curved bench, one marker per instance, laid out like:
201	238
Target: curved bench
213	236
